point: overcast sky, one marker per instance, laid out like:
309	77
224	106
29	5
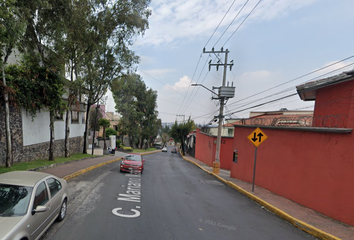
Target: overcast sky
280	41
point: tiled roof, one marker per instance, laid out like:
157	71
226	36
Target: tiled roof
307	91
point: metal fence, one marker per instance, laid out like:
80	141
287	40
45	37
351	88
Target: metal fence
328	121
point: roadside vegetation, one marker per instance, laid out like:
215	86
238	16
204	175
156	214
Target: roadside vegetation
24	166
73	48
144	150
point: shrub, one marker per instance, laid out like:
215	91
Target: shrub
110	131
128	149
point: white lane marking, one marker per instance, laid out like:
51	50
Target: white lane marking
117	213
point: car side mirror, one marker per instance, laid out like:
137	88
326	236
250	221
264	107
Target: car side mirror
39	209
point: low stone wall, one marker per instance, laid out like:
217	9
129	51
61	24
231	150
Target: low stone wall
40	150
16	134
36	151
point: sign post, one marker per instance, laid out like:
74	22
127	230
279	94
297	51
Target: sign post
256	137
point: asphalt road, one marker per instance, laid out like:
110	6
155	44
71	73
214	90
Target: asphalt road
172	199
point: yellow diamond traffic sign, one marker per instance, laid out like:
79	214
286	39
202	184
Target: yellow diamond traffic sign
257	137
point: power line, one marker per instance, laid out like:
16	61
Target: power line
166	85
231	22
261	104
294	79
242	21
195	70
284	97
190	99
291	89
220	23
161	82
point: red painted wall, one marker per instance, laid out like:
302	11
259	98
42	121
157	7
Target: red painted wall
314	169
334	101
206	149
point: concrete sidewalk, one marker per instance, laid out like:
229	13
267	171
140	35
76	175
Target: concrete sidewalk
75	168
72	169
304	218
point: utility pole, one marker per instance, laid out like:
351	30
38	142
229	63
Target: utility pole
225	92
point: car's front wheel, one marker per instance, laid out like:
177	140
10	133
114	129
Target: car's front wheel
62	212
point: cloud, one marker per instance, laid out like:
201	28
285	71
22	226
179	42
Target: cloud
146	60
260	75
182	85
331	69
157	73
174	20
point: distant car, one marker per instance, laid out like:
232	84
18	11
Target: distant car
164	149
133	163
174	150
29	203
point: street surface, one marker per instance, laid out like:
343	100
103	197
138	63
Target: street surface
172	199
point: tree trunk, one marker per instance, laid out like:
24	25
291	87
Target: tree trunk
68	110
86	127
140	142
131	141
67	132
94	130
9	156
140	138
52	137
104	139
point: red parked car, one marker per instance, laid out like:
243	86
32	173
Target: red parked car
132	163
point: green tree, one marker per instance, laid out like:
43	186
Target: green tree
105	123
43	22
110	131
113	25
180	131
94	116
137	106
165	137
11	31
36	88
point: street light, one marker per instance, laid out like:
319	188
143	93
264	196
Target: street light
198	84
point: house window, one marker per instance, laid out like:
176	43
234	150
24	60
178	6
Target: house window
235	156
230	132
74	116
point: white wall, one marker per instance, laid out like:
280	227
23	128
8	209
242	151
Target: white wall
37	131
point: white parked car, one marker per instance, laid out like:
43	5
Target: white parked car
164	149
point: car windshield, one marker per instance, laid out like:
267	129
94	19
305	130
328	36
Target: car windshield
133	157
14	200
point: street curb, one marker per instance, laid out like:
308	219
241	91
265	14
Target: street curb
61	163
75	174
292	220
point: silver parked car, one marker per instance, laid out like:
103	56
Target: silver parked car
29	203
